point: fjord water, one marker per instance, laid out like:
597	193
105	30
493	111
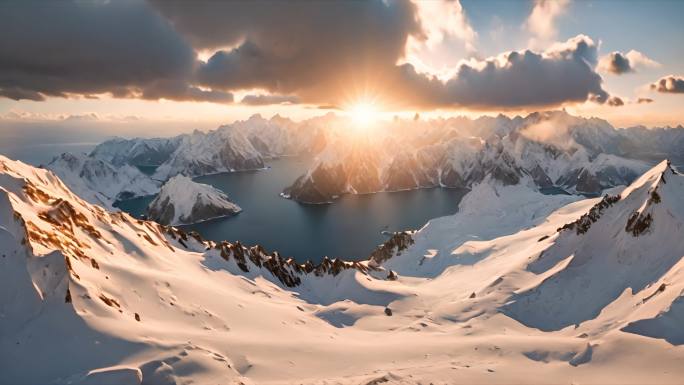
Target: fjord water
350	228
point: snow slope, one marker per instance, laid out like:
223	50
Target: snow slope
182	201
90	296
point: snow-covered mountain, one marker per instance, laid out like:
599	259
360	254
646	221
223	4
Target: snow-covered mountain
200	153
242	145
137	151
280	136
100	182
182	201
516	287
554	149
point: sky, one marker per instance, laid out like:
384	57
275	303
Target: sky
203	63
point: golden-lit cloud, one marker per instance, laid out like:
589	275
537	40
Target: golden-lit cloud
542	21
671	84
618	63
401	55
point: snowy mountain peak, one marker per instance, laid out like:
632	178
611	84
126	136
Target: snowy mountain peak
182	201
98	181
634	238
652	178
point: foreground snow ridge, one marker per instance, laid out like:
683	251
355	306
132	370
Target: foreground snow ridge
182	201
89	296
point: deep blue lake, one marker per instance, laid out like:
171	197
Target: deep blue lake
350	228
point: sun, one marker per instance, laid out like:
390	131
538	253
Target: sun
363	114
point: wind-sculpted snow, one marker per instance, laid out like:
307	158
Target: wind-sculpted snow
90	296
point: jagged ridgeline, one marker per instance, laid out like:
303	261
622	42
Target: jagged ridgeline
582	156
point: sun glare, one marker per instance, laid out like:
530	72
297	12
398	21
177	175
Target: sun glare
363	114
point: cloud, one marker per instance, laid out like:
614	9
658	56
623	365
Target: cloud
21	115
68	48
615	101
442	19
644	100
542	20
563	73
319	51
618	63
181	90
669	84
553	127
324	53
261	100
445	37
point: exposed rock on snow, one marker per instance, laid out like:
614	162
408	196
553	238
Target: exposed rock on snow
182	201
634	241
398	241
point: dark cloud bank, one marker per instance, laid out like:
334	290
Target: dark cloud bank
323	53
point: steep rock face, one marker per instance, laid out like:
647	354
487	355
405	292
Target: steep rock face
358	173
322	186
540	177
405	173
100	182
182	201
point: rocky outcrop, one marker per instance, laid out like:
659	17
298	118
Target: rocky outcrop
583	223
398	242
248	259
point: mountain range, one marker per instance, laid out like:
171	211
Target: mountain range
555	149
